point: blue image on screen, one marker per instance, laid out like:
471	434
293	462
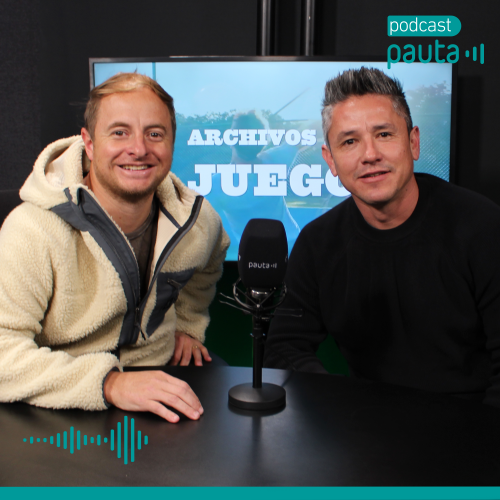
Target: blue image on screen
249	133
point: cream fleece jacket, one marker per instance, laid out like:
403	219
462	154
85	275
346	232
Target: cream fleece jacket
69	284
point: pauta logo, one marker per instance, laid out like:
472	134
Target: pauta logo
410	55
262	265
442	26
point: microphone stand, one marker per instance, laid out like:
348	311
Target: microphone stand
257	395
258	352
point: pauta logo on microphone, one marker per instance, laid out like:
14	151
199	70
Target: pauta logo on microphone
262	265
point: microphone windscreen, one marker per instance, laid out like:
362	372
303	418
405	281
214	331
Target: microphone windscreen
263	254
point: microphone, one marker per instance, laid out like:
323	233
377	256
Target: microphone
262	261
263	255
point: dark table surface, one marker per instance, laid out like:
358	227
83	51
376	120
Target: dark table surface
334	431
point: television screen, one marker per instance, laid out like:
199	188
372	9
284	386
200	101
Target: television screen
249	130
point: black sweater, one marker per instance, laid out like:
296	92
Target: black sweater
417	305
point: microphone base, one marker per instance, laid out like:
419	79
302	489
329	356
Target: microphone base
267	397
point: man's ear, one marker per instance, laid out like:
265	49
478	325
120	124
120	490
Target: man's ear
89	145
327	156
415	143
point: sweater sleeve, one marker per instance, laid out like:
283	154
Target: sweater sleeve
293	340
29	373
192	304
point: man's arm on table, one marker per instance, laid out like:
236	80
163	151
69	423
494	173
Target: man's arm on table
150	391
192	317
55	379
292	341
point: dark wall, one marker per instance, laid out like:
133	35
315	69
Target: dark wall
20	140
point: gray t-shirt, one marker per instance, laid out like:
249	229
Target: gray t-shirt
143	242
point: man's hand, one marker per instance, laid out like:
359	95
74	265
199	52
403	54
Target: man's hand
185	346
150	391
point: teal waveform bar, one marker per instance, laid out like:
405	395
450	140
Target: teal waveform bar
75	440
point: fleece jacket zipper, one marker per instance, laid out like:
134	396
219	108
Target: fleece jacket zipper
87	215
169	247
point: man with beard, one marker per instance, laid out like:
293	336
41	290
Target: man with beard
110	262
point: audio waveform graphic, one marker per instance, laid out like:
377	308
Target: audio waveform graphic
125	447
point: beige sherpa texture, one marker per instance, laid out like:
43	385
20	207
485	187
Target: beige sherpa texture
38	190
62	303
192	316
33	242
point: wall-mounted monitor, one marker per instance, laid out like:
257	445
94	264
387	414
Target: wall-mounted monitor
249	130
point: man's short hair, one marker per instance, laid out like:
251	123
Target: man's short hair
120	83
363	81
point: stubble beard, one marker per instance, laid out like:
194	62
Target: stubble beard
124	194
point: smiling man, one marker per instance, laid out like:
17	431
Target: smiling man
404	274
111	262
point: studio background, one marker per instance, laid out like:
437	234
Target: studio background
44	81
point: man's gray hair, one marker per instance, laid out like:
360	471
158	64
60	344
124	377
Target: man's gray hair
358	82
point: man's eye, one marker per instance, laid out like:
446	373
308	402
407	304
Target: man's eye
385	134
118	133
349	142
155	135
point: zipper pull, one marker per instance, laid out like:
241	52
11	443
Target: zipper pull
177	288
174	283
